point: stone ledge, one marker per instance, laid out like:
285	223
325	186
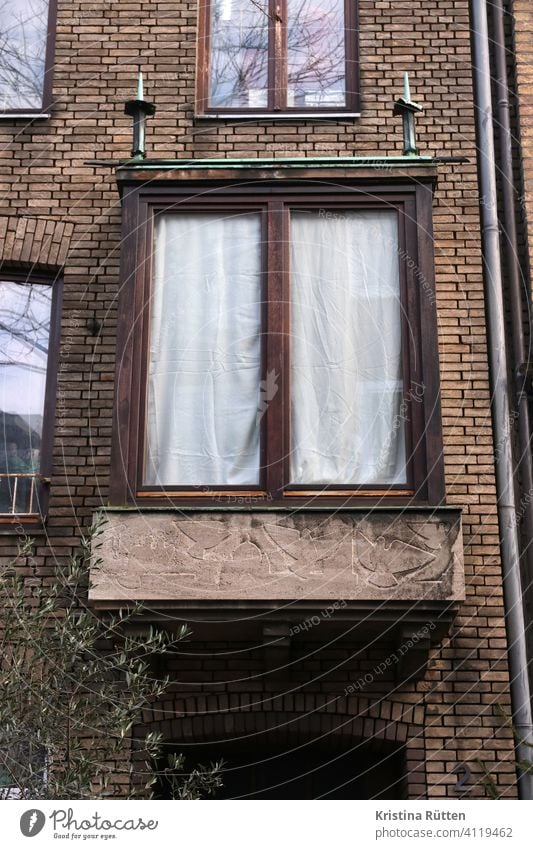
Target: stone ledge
263	556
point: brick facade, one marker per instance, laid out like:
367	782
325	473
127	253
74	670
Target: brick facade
522	33
63	215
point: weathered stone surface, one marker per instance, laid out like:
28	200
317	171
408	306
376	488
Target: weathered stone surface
260	555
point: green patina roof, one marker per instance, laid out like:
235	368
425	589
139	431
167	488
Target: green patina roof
275	162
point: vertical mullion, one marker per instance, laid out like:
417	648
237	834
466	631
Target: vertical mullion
282	63
204	56
277	54
271	6
404	247
351	36
48	78
412	361
276	352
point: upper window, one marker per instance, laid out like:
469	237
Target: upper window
281	351
26	55
278	55
26	395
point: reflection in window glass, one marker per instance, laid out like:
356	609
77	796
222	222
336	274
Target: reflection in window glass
24	335
23	31
316	54
239	54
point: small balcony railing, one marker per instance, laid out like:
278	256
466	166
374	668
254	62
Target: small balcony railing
19	493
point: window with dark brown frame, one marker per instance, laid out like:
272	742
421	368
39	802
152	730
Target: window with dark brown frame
29	343
27	41
277	56
278	347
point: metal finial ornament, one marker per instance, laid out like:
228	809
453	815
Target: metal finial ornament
139	109
405	107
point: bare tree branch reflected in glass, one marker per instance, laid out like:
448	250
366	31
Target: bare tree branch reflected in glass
316	66
23	31
25	311
239	54
241	41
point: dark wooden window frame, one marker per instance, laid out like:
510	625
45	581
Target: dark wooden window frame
277	66
419	344
48	79
34	520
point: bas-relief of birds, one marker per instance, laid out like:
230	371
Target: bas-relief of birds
390	562
287	551
279	551
304	554
430	534
213	542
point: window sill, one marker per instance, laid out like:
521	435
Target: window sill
318	505
258	117
24	116
22	524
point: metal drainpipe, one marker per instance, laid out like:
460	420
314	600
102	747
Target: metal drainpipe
513	276
509	543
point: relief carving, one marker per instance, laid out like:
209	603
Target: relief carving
277	555
389	562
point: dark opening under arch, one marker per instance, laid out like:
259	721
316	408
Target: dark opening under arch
328	768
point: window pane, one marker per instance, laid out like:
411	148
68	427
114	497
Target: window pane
239	54
316	53
346	413
24	334
23	31
205	351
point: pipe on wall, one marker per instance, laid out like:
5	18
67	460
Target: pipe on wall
501	420
509	234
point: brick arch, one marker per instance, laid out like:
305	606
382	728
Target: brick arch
386	725
38	243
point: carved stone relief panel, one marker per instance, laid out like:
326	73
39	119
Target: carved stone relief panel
276	555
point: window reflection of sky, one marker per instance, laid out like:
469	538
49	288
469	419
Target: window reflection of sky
24	330
23	31
315	53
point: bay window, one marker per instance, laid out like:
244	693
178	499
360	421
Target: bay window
277	346
277	56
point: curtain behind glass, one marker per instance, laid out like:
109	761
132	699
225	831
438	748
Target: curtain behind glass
346	375
205	351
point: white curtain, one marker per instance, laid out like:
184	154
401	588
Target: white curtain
205	350
346	374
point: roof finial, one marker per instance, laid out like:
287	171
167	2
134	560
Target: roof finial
139	109
406	89
405	107
140	86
